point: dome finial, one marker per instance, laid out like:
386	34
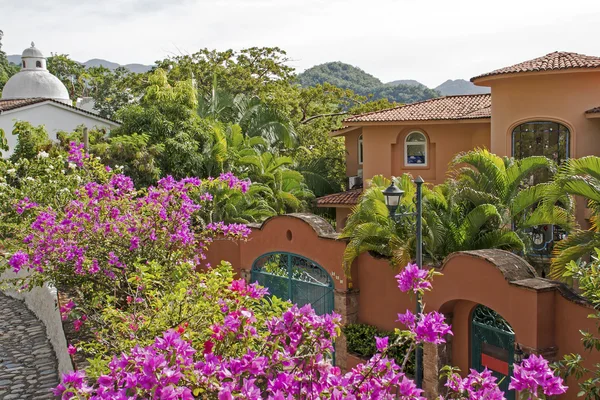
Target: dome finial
32	44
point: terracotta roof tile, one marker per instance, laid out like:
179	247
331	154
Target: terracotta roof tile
594	110
559	60
7	105
13	104
349	197
441	108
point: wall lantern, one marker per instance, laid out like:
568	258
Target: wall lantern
519	354
392	197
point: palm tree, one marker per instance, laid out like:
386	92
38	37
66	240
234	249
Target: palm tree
254	117
577	177
288	191
449	225
509	185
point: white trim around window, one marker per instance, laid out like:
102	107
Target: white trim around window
416	149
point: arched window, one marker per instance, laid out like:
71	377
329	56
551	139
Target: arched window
360	149
541	138
24	66
38	64
415	149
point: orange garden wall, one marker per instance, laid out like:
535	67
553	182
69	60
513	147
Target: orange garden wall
383	147
545	315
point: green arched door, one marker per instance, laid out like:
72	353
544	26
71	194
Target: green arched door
295	278
492	346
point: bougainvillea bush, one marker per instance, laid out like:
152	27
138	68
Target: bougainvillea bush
128	258
289	360
45	180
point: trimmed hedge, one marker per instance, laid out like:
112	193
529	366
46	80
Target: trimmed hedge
360	339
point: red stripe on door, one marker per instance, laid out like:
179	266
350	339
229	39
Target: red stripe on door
494	364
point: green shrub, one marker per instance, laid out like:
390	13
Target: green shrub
360	339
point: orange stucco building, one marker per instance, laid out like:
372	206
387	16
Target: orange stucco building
546	106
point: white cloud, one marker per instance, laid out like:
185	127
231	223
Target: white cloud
430	41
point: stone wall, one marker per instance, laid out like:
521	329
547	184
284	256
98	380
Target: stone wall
43	301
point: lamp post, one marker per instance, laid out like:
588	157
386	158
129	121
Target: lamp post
392	199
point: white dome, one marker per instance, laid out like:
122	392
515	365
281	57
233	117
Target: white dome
32	52
34	80
30	84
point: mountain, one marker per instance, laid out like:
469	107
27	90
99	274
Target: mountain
15	59
347	76
410	82
460	86
96	62
137	68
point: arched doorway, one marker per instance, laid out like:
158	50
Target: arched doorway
492	346
295	278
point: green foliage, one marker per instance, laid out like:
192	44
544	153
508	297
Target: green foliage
513	187
450	224
31	140
348	77
576	177
7	69
113	90
173	297
588	279
45	179
71	73
360	339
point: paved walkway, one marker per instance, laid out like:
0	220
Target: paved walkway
28	366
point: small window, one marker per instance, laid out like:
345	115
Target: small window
415	149
24	66
38	64
360	149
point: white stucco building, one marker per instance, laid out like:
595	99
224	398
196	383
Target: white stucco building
38	97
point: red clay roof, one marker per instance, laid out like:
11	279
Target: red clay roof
6	105
594	110
12	104
458	107
559	60
349	197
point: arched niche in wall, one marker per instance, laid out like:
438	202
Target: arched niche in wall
413	152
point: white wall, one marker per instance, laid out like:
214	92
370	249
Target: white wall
52	116
42	301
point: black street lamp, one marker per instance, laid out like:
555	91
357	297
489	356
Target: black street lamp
392	199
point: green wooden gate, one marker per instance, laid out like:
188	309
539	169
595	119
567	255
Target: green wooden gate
492	346
295	278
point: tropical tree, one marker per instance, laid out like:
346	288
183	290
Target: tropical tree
254	117
578	177
449	224
288	191
511	187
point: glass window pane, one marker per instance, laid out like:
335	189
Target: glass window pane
415	153
541	138
416	137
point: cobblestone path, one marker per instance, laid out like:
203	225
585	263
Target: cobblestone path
28	366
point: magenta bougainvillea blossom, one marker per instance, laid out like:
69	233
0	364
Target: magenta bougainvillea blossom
426	328
535	376
412	278
76	153
475	386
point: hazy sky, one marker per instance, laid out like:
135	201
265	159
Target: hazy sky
429	41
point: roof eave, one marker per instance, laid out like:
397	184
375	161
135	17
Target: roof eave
343	131
485	80
333	205
592	115
422	122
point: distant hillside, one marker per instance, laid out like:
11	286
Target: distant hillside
410	82
460	86
96	62
349	77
